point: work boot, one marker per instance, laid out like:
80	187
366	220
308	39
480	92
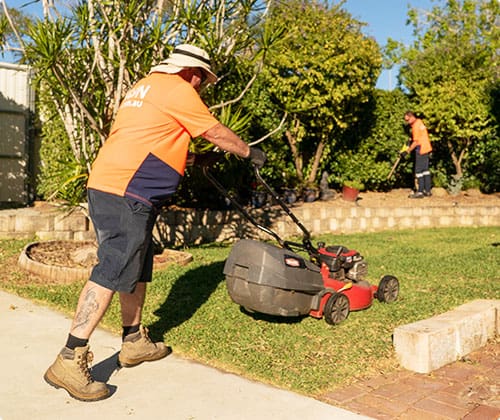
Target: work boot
138	348
71	371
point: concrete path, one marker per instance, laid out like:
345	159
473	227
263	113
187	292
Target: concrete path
173	388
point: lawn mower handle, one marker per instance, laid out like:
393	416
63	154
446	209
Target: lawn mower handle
238	206
306	241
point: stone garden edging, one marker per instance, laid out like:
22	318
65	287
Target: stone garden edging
189	227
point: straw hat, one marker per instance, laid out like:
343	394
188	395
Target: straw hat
183	56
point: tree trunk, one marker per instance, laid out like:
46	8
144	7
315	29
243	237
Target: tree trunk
317	158
458	159
292	141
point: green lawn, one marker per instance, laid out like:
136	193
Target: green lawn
190	309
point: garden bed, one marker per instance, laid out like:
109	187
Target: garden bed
68	261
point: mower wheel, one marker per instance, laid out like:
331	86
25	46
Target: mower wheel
336	308
388	289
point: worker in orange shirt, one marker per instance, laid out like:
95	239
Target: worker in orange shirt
139	166
420	143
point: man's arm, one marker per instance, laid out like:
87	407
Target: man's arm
412	146
413	140
226	139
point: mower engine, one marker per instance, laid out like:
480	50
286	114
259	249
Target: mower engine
343	263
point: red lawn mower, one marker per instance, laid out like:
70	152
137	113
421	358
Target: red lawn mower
295	279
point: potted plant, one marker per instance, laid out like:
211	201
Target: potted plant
351	189
289	195
310	192
258	196
291	189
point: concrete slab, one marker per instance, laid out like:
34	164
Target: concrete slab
429	344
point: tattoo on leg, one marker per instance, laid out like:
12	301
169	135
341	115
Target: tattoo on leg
88	308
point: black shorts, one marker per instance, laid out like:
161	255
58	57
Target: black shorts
123	229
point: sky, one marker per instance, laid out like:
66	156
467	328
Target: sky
384	19
387	19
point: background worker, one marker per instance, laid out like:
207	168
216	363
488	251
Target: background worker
139	166
420	143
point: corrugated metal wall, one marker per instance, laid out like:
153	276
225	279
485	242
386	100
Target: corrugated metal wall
17	107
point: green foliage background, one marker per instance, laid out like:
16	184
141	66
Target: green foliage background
301	70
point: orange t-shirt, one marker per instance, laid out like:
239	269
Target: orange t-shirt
145	154
420	136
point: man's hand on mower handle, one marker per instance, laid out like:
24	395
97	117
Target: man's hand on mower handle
257	157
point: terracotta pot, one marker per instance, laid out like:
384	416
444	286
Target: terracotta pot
349	193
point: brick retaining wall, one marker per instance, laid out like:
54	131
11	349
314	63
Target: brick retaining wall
188	227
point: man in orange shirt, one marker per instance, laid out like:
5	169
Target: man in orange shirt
139	166
420	143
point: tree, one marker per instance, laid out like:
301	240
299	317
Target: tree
319	74
13	24
381	134
450	72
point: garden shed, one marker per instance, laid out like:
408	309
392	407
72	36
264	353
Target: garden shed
17	139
